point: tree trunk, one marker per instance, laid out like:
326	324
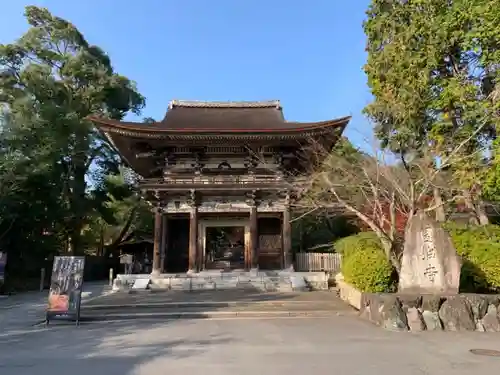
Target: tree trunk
75	237
100	251
78	202
125	229
438	202
481	214
471	210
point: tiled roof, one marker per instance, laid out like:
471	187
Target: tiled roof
205	104
197	117
223	115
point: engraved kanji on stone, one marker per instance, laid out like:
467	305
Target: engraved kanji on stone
430	272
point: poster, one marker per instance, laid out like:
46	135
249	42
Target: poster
3	262
66	288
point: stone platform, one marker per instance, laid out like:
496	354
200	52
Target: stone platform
264	281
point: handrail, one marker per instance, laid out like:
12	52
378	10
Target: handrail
219	179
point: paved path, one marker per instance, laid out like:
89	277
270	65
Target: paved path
23	310
338	345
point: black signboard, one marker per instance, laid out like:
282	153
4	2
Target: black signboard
66	284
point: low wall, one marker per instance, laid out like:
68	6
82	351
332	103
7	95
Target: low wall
425	312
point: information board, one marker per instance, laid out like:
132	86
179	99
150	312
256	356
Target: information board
66	286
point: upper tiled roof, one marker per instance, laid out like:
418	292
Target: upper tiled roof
205	104
193	117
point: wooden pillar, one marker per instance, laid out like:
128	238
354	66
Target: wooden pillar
157	241
164	242
287	238
193	239
253	251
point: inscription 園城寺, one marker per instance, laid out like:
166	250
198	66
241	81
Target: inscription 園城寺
428	253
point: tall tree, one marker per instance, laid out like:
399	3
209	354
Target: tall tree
51	79
432	66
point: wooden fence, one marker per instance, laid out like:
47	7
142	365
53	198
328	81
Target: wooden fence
305	262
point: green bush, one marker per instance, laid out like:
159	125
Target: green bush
479	247
364	264
354	243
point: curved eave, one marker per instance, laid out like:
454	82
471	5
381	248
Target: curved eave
156	131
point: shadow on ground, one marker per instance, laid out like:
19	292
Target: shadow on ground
118	348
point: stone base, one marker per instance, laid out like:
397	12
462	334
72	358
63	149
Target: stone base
276	281
425	312
155	273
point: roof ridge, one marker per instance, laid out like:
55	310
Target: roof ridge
221	104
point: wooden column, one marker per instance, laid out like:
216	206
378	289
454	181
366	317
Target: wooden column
157	241
164	242
287	238
193	239
253	251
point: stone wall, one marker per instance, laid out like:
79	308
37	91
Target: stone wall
426	312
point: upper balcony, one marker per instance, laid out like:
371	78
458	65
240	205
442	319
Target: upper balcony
216	182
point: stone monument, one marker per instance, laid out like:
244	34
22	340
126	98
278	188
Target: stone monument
430	263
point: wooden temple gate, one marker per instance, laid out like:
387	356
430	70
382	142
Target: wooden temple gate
222	178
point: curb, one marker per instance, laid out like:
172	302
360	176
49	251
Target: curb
200	304
209	315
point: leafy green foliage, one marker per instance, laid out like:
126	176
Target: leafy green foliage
351	244
51	80
61	187
318	231
491	182
364	264
480	251
433	69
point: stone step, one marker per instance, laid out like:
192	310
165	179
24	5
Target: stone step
85	317
279	304
214	309
223	281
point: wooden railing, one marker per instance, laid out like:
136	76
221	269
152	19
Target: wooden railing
310	262
217	180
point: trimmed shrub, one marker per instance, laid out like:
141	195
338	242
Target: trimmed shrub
364	264
354	243
479	247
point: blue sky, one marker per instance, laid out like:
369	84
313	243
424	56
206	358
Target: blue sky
309	55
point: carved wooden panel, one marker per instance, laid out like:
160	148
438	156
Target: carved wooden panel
270	244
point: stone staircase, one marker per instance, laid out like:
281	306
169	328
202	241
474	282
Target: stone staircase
261	281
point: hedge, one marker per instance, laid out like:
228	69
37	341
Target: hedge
364	264
479	247
354	243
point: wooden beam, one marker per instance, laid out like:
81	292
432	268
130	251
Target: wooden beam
287	238
253	252
193	257
164	242
193	240
157	241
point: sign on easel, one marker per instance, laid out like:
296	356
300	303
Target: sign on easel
66	284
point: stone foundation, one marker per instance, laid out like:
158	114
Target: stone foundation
271	281
425	312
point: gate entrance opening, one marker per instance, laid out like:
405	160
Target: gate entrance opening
225	248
